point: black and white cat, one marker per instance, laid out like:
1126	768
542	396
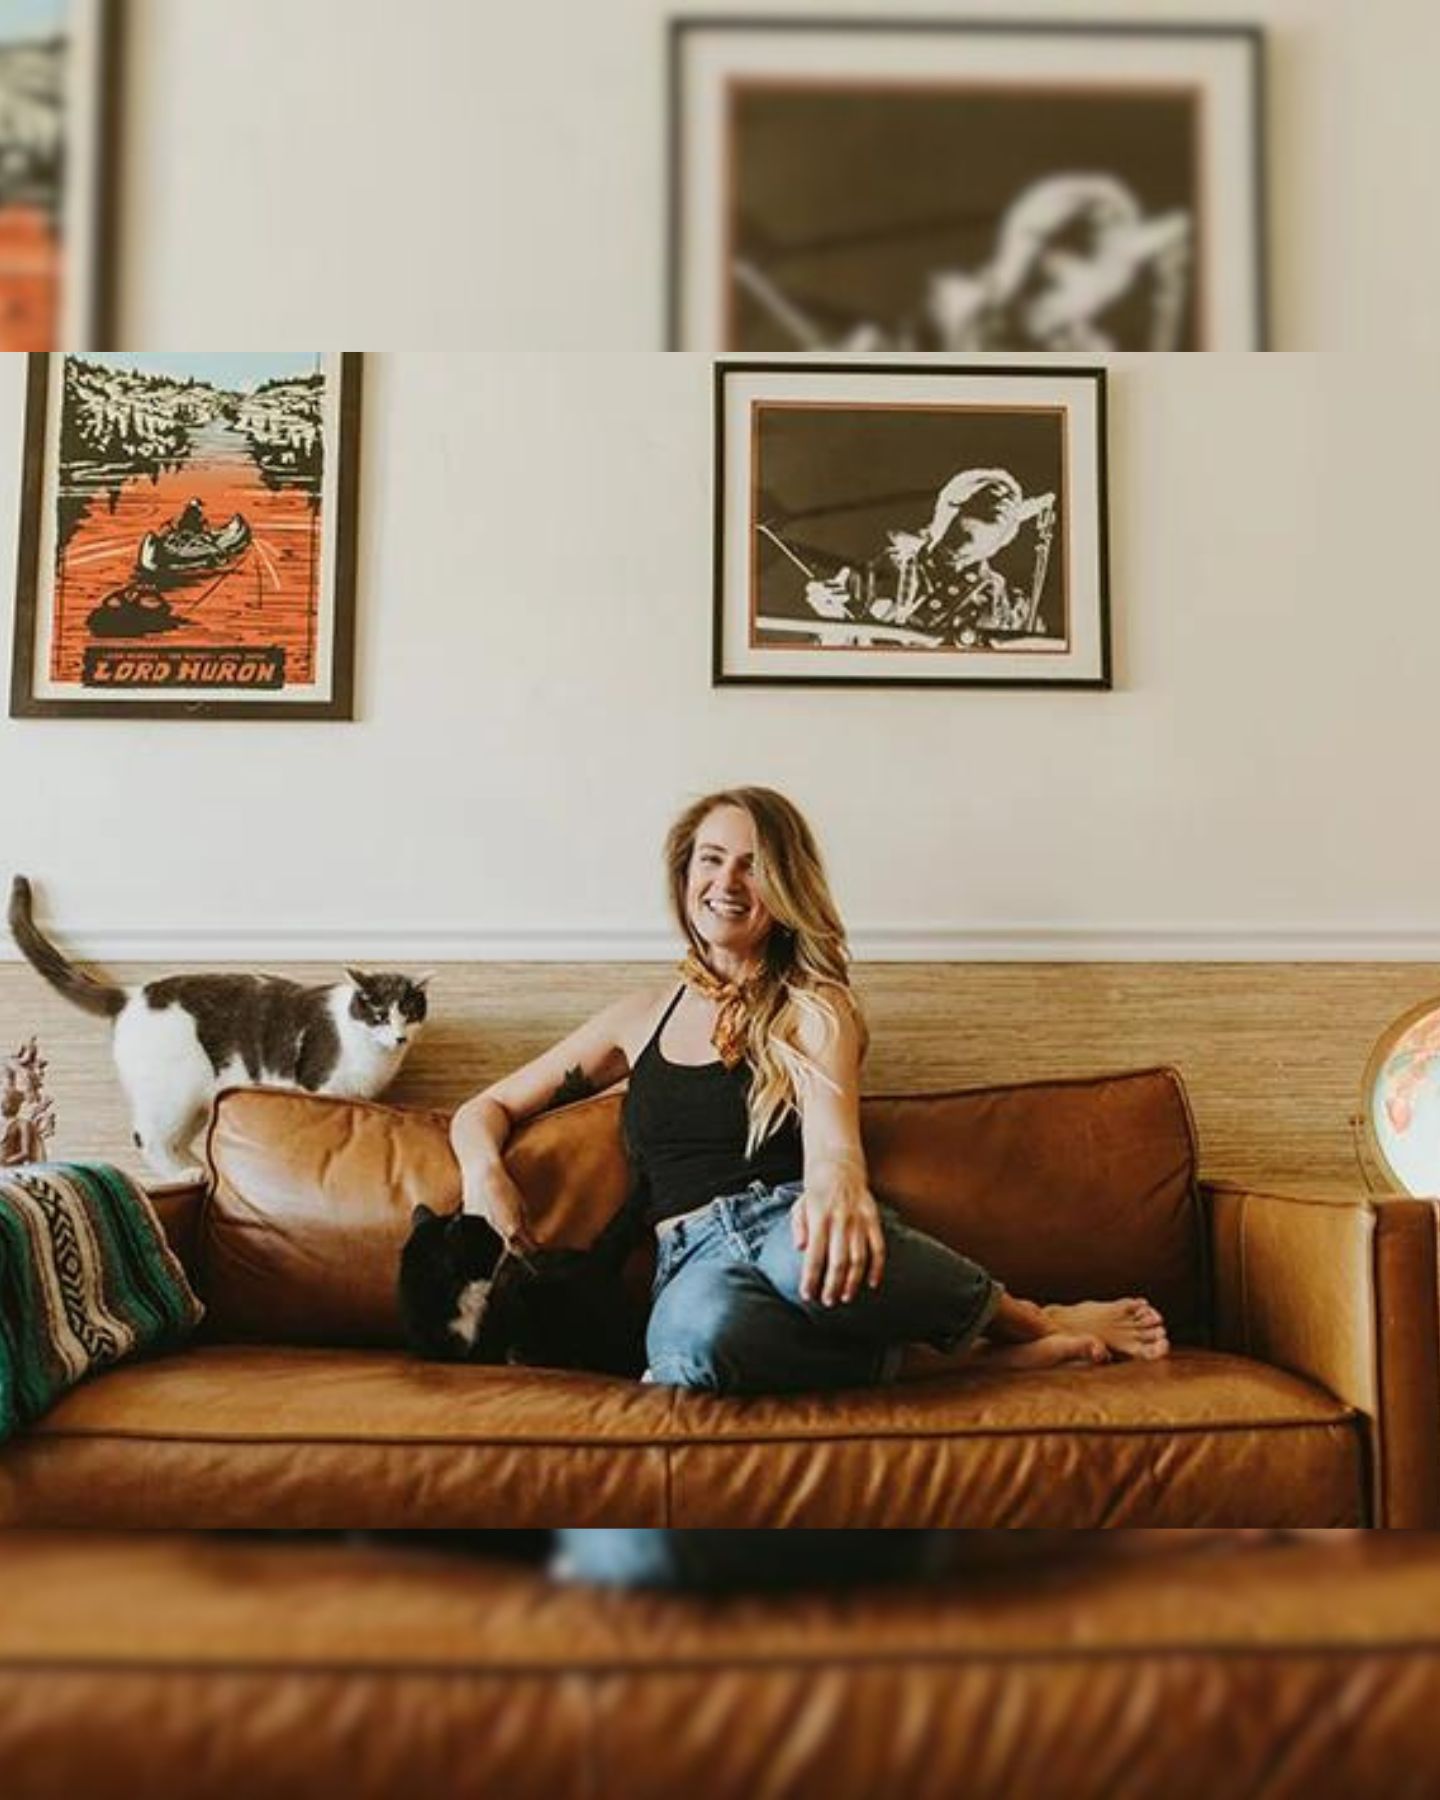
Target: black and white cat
462	1299
179	1040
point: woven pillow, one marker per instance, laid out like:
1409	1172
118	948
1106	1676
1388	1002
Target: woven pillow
86	1278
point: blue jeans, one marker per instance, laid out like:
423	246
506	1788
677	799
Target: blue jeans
738	1560
727	1315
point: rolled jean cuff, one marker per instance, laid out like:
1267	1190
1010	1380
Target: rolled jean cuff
953	1344
892	1358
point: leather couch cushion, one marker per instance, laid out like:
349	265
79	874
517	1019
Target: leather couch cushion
298	1669
311	1200
1065	1189
308	1438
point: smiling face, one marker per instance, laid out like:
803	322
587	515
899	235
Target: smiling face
722	898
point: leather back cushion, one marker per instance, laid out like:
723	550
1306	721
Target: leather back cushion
1066	1190
311	1201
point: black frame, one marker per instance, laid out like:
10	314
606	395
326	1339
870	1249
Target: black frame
679	26
105	223
857	366
341	704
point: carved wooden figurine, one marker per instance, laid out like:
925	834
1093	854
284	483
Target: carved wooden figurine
27	1116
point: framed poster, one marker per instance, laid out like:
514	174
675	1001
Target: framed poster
58	76
922	185
187	538
890	524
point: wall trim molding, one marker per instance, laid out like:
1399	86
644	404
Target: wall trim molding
183	947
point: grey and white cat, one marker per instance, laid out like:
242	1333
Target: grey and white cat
179	1040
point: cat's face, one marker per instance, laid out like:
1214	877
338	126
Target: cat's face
457	1247
391	1008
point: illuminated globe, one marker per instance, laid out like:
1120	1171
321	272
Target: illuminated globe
1402	1102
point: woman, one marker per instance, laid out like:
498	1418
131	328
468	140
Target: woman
776	1268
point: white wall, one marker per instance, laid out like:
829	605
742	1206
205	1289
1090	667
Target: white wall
483	172
534	699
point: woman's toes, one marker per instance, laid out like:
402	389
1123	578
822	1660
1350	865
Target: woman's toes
1077	1347
1129	1327
1047	1352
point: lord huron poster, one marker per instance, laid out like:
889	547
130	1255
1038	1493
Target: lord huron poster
187	535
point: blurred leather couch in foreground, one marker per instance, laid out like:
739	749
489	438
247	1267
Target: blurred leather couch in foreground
148	1665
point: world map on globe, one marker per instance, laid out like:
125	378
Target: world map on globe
1404	1101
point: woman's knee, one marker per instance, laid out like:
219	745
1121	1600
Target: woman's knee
784	1265
701	1335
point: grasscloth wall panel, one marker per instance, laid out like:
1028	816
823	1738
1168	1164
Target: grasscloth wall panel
1272	1053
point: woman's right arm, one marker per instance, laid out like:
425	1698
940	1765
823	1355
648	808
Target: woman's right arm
592	1058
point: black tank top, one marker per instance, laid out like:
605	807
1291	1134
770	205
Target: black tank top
685	1129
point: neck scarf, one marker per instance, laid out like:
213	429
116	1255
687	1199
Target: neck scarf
733	999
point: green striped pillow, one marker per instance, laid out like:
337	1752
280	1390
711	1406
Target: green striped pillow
86	1278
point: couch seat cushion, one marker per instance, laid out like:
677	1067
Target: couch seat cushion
252	1437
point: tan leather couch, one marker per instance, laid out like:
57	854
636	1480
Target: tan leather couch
1303	1389
223	1670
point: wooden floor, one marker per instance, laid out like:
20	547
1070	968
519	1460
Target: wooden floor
1272	1054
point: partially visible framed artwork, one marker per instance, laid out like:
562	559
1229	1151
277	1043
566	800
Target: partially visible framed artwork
187	536
890	524
58	78
930	186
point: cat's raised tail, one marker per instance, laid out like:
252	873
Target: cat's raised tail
82	990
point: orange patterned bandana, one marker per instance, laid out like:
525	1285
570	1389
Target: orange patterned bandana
733	998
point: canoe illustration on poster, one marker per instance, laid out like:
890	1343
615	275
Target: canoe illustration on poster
187	527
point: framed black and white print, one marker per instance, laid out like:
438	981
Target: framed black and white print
928	186
892	524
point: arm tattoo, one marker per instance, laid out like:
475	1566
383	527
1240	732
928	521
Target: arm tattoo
577	1085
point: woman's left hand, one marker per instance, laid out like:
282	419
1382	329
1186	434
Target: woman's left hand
836	1227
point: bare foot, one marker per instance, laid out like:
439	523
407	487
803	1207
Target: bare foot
1043	1353
1279	1534
1128	1327
1142	1540
980	1549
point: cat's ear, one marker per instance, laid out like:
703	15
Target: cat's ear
358	979
422	1214
422	981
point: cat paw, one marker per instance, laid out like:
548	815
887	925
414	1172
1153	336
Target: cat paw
179	1174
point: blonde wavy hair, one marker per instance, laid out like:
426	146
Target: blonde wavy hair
806	969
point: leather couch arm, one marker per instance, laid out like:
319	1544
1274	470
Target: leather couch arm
1342	1290
177	1206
